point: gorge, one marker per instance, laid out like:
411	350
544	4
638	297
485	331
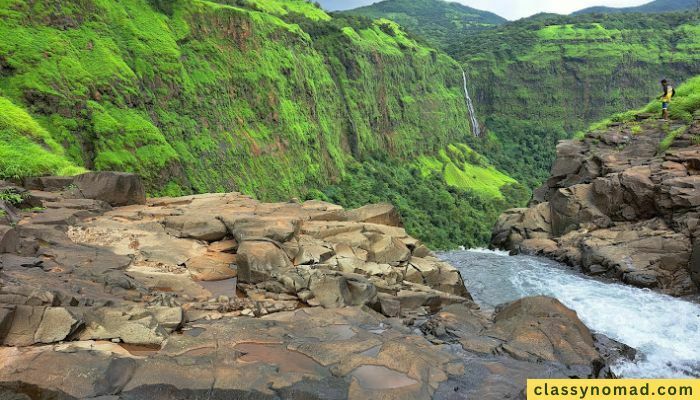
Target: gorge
262	199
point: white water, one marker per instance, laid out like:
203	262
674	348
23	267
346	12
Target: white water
476	131
664	329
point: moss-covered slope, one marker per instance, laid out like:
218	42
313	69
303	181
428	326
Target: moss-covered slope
273	98
544	78
220	95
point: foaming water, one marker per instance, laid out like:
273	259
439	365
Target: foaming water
664	329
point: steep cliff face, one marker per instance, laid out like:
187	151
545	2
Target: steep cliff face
275	99
541	79
623	201
200	96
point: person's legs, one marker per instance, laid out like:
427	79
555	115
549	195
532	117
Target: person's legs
664	111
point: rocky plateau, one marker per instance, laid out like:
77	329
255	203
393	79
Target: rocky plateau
105	294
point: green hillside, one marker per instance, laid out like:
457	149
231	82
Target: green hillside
541	79
270	97
685	107
657	6
434	20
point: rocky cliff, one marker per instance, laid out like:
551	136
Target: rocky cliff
106	293
623	202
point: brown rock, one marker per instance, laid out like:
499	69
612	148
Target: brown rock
212	266
387	250
9	239
259	261
279	229
115	188
573	207
198	226
542	329
694	265
341	289
382	214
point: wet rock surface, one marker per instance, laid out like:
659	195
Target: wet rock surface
618	205
221	296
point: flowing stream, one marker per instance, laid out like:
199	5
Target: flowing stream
476	131
664	330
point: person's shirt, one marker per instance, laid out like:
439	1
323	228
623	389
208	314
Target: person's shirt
668	94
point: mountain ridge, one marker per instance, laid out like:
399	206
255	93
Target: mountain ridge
657	6
433	20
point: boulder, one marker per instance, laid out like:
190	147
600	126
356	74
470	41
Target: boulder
694	265
540	329
279	229
25	323
538	246
131	326
387	250
569	159
212	266
115	188
7	314
626	196
259	261
520	224
679	193
334	290
48	183
381	214
572	208
56	325
9	214
9	239
204	227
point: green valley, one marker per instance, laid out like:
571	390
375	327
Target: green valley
276	99
543	78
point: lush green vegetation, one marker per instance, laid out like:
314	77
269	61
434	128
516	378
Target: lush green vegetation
541	79
434	20
444	216
657	6
684	108
26	148
274	98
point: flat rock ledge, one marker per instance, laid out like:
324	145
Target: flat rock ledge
618	205
104	294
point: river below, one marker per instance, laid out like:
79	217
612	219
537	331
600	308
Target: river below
665	330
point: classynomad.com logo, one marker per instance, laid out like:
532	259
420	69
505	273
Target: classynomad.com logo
613	389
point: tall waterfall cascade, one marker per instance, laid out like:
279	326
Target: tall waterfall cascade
476	131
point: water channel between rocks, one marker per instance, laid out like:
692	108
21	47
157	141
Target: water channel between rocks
665	330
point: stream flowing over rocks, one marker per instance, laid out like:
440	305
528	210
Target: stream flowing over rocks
105	294
664	330
621	206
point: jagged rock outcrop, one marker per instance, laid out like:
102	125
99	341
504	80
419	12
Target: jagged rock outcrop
222	295
618	205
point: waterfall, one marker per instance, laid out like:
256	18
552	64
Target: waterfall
476	131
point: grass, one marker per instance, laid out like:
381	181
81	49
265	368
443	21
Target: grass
666	143
10	196
684	106
463	168
273	98
27	149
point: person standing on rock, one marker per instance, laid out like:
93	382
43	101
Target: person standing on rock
665	98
